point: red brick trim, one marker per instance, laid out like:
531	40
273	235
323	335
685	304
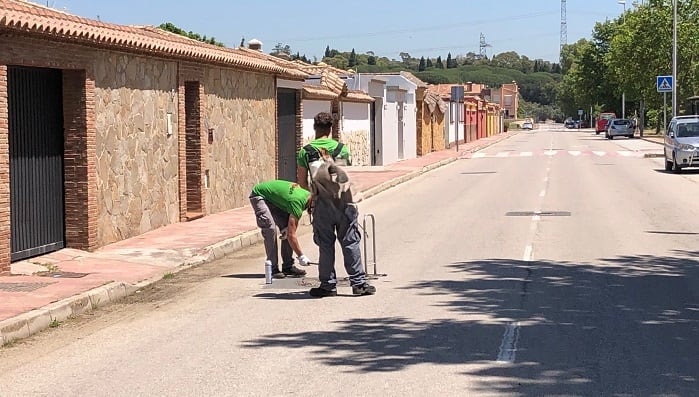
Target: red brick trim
5	246
187	74
80	159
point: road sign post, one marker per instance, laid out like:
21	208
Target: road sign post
665	84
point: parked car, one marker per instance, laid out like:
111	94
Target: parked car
527	125
602	120
569	123
619	127
682	143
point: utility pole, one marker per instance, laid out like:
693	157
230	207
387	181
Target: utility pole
675	82
564	30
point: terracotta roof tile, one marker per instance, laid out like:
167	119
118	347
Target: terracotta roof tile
311	91
28	18
357	96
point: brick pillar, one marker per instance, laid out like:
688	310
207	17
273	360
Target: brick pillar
182	150
80	158
299	120
5	247
335	110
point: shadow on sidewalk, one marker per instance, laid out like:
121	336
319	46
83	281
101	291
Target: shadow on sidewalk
245	276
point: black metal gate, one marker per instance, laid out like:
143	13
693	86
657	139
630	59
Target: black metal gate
35	104
286	118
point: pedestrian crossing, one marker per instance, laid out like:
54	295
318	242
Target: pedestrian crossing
556	153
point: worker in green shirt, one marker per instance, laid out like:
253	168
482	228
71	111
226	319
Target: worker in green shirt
280	204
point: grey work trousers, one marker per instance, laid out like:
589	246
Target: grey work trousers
268	219
333	221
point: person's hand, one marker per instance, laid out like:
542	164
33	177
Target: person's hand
304	261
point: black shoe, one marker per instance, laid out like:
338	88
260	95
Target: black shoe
294	271
364	289
322	292
278	274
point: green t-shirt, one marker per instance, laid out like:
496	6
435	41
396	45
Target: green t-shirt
328	144
287	196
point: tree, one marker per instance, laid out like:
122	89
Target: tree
352	61
170	27
450	62
428	63
281	50
439	64
371	60
422	66
327	52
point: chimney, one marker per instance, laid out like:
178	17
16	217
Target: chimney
255	44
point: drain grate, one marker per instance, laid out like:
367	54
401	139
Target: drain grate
62	274
22	287
539	213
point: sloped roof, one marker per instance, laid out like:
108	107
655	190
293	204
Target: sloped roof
434	101
312	91
27	18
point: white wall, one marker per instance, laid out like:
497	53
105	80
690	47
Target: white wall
355	117
451	115
389	140
310	109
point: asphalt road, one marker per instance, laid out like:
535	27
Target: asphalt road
553	263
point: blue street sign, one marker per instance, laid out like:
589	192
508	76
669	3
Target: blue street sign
665	84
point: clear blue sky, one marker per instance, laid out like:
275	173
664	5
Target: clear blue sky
421	28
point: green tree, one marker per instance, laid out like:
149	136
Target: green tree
170	27
327	52
439	63
422	66
428	63
352	60
450	62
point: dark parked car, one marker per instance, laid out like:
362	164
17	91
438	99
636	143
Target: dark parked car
569	123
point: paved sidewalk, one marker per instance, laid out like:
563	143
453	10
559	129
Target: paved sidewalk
69	282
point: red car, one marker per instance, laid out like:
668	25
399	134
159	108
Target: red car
602	120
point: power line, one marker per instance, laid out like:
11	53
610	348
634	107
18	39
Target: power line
441	27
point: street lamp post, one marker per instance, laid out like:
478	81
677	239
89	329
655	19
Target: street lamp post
675	83
623	93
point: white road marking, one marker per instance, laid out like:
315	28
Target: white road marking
479	155
543	193
508	346
599	153
502	154
550	152
574	152
546	180
526	154
624	153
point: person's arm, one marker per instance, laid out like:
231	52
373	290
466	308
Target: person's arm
291	235
302	176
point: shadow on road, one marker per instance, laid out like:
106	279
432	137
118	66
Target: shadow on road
625	325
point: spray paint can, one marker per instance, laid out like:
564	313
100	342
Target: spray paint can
268	272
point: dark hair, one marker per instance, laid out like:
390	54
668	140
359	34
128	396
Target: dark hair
323	121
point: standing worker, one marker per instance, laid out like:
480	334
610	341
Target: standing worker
334	214
279	203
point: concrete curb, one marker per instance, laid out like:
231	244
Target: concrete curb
37	320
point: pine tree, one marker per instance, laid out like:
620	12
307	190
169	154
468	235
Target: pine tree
352	62
327	52
450	62
429	63
422	65
439	65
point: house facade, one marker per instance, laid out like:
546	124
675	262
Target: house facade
394	114
123	129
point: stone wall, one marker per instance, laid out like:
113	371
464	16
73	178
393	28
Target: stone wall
240	108
358	144
137	162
